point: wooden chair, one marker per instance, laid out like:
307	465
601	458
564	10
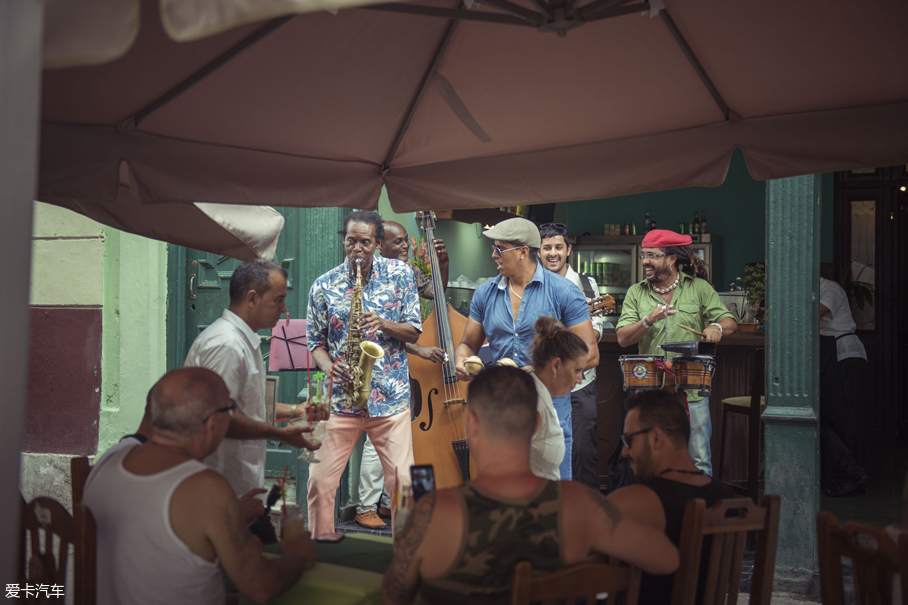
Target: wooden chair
750	406
874	561
44	557
729	534
79	467
585	580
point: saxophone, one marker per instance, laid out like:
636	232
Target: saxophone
360	354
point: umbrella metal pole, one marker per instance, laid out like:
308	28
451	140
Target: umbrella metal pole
21	34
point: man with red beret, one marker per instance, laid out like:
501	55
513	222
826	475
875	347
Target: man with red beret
676	287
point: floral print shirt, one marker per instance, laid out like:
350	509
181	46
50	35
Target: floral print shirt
391	293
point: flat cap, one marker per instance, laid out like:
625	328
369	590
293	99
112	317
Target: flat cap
663	238
517	230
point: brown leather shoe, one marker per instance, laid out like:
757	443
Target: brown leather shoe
384	512
370	520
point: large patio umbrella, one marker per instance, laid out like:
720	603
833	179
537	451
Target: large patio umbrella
502	103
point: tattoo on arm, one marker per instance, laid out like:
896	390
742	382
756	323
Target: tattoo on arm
611	511
397	588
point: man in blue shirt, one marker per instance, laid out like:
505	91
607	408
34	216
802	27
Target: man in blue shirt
504	309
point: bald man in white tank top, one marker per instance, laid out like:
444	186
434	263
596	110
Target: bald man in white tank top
169	526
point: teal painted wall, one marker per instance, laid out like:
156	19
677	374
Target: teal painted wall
735	213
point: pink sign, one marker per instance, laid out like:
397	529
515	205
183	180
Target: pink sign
288	347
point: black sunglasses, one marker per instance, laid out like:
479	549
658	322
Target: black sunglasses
628	438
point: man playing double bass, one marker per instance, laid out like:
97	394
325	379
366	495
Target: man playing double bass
675	286
390	318
374	501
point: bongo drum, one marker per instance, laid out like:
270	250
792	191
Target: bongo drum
694	372
641	371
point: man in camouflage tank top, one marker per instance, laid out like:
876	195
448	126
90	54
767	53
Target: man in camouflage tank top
463	543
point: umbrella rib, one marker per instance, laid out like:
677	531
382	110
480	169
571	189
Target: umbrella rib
617	12
516	11
695	63
446	13
422	89
210	68
596	7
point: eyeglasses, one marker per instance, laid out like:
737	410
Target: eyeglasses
229	409
650	255
500	250
553	226
628	438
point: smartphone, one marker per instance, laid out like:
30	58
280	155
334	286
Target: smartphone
422	476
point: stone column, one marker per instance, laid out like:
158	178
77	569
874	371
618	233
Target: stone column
792	372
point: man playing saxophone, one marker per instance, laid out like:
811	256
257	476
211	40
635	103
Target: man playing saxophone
367	299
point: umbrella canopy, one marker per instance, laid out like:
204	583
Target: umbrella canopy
509	103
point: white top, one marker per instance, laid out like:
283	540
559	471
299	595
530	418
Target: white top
590	375
229	348
140	559
839	322
547	445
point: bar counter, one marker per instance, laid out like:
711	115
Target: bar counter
731	379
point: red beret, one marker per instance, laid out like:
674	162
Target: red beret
663	238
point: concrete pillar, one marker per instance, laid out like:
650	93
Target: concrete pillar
21	29
792	372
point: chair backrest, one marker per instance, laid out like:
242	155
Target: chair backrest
874	561
48	531
726	523
584	580
79	467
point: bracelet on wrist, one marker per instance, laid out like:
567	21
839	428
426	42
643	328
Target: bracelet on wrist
646	326
718	325
293	410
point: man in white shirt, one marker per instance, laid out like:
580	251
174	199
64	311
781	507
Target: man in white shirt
554	255
843	363
230	347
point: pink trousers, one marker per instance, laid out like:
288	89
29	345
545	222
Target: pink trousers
393	443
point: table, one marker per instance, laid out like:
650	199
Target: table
348	572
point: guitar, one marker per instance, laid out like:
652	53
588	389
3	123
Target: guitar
600	305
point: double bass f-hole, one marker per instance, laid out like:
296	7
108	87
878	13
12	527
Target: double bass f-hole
422	425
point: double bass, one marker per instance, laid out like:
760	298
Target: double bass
438	404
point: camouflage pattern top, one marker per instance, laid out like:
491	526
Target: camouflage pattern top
499	533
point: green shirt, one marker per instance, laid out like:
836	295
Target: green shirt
697	306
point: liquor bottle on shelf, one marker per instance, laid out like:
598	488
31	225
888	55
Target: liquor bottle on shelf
703	223
647	223
681	227
696	222
652	222
690	228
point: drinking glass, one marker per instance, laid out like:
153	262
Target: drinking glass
293	526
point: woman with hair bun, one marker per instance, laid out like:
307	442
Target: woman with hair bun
558	357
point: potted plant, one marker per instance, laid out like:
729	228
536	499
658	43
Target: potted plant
754	292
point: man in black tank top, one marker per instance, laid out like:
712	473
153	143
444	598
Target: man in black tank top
656	432
461	544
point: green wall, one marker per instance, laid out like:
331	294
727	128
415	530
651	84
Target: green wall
134	337
735	213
